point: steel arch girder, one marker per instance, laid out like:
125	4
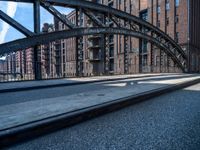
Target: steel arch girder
106	9
48	37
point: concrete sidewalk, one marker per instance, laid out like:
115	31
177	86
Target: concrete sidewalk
34	117
30	85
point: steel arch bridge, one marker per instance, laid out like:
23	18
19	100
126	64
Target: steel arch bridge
124	24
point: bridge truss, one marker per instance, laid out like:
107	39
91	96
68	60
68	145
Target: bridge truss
124	24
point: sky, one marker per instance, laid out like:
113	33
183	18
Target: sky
23	13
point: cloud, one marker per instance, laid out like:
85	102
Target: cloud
11	10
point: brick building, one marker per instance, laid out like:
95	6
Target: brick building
93	58
18	66
47	55
3	65
180	19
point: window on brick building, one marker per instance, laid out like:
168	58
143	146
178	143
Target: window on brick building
111	4
145	60
177	3
131	7
176	19
63	45
167	21
63	26
158	9
144	16
167	6
158	23
177	37
157	60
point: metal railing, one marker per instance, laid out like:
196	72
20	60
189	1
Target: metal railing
17	71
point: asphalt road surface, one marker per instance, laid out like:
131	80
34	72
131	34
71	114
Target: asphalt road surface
171	122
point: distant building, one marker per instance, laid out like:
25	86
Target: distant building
3	67
47	54
18	65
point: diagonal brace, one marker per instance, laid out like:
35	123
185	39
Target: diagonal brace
15	24
134	27
115	21
93	18
58	15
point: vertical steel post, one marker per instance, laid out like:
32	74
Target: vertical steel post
125	54
77	51
151	47
36	14
106	54
160	61
188	39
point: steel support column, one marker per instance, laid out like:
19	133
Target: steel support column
160	65
106	54
168	64
79	45
37	64
152	58
77	51
126	55
140	56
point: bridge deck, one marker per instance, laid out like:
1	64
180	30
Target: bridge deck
16	114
